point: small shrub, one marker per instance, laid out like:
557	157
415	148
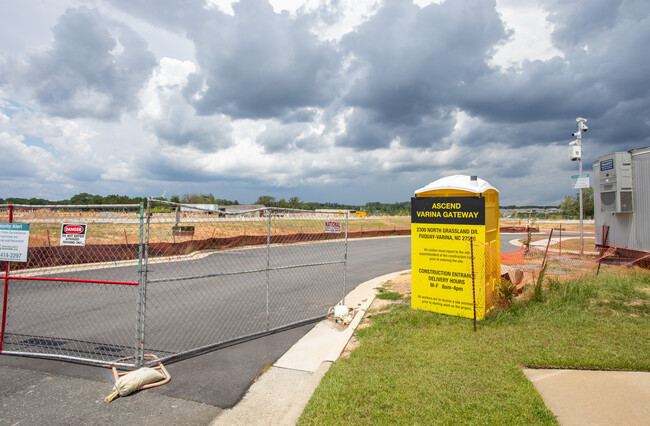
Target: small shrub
538	295
505	293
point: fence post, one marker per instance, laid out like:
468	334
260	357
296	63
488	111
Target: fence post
268	266
471	254
6	287
604	245
345	257
142	294
548	243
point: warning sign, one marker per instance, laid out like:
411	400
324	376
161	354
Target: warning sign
441	229
73	234
332	227
14	242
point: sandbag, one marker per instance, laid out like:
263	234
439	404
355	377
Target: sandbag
130	382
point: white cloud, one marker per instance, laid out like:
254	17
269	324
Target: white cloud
20	161
531	34
170	77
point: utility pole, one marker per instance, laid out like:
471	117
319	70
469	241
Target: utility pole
575	153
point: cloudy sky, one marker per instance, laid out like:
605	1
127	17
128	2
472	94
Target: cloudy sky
329	100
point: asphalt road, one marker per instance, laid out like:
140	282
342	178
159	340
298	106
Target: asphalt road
206	383
98	321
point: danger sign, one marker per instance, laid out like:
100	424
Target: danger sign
73	234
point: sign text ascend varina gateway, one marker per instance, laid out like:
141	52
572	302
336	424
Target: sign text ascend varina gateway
441	229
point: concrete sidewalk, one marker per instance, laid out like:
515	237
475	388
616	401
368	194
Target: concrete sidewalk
579	397
281	394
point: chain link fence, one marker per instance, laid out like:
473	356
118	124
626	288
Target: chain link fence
551	257
214	278
76	296
166	279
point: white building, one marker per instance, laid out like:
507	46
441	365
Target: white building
622	199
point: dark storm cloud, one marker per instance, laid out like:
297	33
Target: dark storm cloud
603	77
579	22
411	61
207	135
88	71
520	134
162	167
541	91
276	138
283	137
624	126
365	131
260	64
179	126
409	69
303	115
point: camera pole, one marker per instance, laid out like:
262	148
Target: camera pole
581	127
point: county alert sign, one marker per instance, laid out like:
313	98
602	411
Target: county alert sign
14	242
73	234
441	268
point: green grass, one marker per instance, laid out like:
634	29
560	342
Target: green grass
384	292
389	295
416	367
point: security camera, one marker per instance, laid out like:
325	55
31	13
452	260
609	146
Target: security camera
583	127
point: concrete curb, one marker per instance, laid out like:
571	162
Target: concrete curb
281	394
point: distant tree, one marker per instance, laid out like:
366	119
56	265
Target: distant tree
266	200
198	199
295	203
570	207
31	201
175	199
82	198
588	202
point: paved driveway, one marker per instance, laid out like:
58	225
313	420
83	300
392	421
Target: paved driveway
213	381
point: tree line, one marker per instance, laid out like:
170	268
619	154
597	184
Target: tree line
569	209
84	198
372	208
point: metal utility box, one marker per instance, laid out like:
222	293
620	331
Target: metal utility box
614	182
622	199
575	152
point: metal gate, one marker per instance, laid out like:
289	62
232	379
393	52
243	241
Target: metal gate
166	279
